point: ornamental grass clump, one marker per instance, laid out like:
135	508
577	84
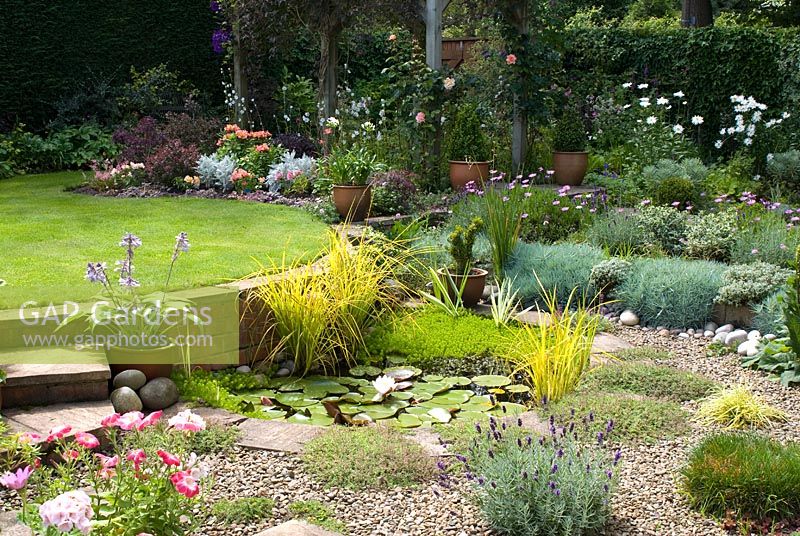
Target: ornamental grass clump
552	356
321	311
749	476
552	485
738	407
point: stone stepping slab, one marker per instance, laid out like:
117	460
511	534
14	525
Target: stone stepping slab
210	415
81	416
10	525
296	528
32	384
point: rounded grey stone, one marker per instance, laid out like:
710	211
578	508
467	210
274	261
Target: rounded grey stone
159	393
134	379
629	318
125	399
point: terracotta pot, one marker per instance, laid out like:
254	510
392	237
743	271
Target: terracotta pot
473	288
570	168
152	362
352	202
462	173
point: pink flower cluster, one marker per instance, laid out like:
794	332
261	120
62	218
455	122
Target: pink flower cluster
67	512
240	174
18	479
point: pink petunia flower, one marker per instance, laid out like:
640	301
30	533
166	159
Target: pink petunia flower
130	420
137	456
168	459
59	432
185	484
18	479
86	440
110	421
67	512
186	421
150	420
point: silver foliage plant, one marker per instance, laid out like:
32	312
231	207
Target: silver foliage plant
215	172
542	486
290	164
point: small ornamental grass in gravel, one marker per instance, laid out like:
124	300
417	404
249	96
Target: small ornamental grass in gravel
368	457
648	380
636	419
753	477
317	514
527	486
738	407
243	510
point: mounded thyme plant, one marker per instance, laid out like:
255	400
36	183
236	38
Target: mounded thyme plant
745	284
550	486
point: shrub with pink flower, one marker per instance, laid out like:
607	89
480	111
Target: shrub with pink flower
420	117
146	480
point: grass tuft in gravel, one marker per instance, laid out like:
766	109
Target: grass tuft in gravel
243	510
648	380
643	353
317	514
636	419
367	457
738	407
753	476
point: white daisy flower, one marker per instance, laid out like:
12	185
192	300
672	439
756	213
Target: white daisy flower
697	119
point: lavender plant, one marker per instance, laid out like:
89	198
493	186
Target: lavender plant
551	485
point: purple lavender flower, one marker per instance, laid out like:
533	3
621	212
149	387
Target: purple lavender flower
214	6
554	469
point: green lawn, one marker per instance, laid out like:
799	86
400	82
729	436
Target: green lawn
48	235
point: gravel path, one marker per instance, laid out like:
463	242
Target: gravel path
647	502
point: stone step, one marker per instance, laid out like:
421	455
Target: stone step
39	384
81	416
296	528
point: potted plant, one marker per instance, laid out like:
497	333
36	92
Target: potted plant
570	158
467	149
466	281
140	330
350	170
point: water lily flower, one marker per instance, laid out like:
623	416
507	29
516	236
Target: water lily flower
186	421
18	479
384	385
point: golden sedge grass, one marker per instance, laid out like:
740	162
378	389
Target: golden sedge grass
737	407
319	311
553	355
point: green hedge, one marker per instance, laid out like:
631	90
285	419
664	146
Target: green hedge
708	65
49	48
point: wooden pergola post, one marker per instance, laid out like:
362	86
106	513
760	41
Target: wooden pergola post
432	14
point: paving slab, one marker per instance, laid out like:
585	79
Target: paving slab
430	441
210	415
296	528
81	416
276	435
606	343
10	525
32	384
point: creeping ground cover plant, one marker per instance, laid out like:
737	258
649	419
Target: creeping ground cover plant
129	488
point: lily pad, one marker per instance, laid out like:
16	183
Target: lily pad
440	415
314	418
433	378
491	380
430	387
271	412
461	381
321	388
406	420
365	370
354	398
402	395
362	418
295	400
451	398
517	388
297	384
380	411
417	410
